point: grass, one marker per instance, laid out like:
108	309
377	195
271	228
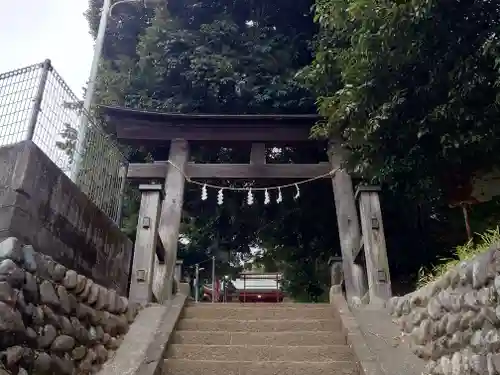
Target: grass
464	252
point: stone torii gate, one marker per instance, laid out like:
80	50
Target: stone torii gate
158	229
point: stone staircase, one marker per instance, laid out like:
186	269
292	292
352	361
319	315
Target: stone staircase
259	339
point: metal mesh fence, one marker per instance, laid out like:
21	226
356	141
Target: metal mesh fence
18	91
36	104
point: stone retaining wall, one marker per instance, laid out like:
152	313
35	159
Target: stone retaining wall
42	206
52	319
454	322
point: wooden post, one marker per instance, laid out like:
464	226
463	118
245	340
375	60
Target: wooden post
377	264
171	211
178	269
348	226
336	271
465	211
258	154
141	284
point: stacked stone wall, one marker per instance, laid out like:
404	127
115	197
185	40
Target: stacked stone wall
454	322
52	319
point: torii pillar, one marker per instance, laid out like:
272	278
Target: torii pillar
377	262
171	210
348	226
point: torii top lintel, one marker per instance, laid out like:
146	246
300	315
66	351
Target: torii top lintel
138	126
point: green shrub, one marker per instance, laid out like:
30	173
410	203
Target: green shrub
464	252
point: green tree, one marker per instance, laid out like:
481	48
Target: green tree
200	58
223	57
412	87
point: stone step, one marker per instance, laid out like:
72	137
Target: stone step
231	325
258	338
199	367
288	312
236	305
324	353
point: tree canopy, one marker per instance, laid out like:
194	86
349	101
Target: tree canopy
413	89
410	86
209	57
225	57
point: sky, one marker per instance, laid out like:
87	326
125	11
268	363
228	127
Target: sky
30	32
34	30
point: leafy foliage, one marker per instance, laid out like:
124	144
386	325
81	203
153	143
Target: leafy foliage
462	253
412	87
223	57
69	136
204	57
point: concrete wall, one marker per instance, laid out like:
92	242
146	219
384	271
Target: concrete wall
40	205
52	319
454	322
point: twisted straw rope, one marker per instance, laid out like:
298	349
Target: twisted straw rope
276	187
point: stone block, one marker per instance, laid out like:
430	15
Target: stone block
41	206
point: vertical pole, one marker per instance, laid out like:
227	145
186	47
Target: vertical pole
178	270
213	279
377	263
37	104
244	288
465	212
348	226
171	211
123	183
141	284
258	154
223	289
277	290
91	86
336	275
196	286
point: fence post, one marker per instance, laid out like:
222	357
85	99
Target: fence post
46	67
